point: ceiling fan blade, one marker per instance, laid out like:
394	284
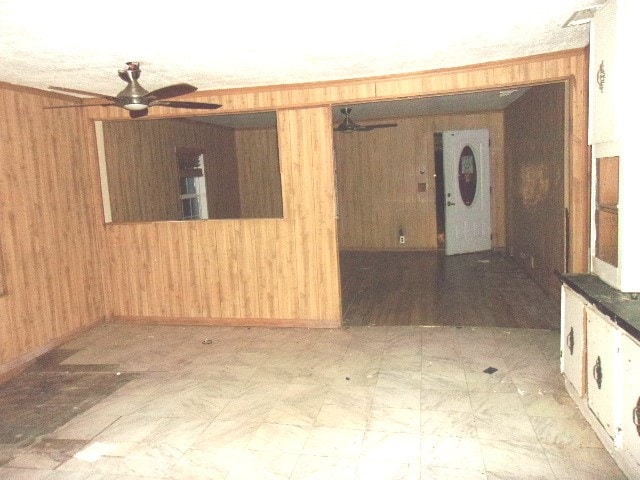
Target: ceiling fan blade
379	125
178	104
81	105
355	127
348	125
83	92
171	91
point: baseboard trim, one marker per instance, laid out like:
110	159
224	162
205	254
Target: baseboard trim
390	249
228	322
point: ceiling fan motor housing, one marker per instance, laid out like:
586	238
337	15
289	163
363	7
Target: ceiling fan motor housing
132	97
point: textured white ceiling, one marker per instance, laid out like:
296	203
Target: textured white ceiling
239	43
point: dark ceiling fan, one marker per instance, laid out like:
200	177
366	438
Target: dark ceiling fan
137	100
349	125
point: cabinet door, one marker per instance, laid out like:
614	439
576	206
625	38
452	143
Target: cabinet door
602	384
602	75
573	339
630	420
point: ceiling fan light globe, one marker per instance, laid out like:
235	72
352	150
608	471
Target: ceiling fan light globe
135	106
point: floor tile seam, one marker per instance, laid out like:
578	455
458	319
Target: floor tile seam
448	467
383	406
124	461
484	461
451	435
87	441
603	450
548	463
519	417
588	428
7	469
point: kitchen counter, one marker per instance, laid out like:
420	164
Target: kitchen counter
622	308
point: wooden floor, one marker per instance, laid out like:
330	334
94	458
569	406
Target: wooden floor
427	288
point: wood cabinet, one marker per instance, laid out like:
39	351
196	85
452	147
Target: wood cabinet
615	236
630	412
602	369
573	336
606	210
607	363
603	75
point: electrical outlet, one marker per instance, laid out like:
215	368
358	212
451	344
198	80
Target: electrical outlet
402	239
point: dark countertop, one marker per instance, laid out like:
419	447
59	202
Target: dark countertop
621	307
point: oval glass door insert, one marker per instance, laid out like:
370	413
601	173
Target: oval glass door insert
467	175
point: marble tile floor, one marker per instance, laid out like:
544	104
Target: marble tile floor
353	403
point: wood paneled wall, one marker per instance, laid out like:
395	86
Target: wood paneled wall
535	149
262	272
378	173
221	172
259	173
3	281
48	226
266	272
253	270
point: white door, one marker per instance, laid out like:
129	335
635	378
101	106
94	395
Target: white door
467	182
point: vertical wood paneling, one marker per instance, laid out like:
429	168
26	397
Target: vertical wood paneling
378	174
303	138
259	173
578	168
52	242
221	167
48	226
209	269
535	149
245	237
302	211
3	284
280	269
228	271
266	271
285	232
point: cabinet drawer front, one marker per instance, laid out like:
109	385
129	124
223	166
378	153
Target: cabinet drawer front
630	417
573	339
602	384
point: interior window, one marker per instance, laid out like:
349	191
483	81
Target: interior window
196	168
